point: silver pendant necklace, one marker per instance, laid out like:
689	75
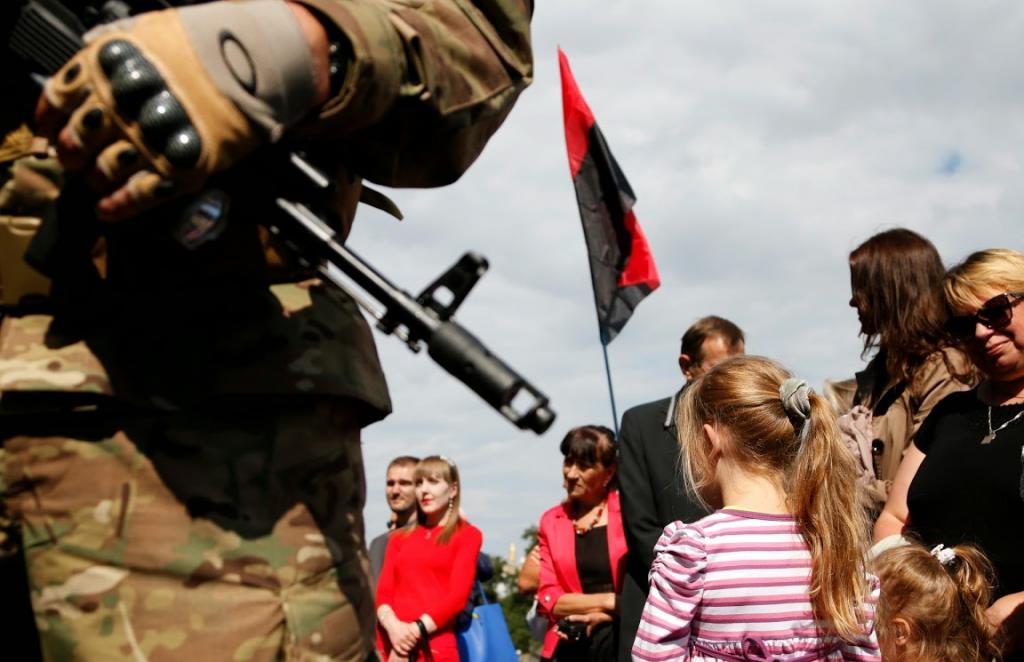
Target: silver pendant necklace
988	438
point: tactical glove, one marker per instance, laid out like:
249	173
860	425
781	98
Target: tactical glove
156	104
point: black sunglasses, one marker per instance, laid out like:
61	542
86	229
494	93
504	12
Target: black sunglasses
996	313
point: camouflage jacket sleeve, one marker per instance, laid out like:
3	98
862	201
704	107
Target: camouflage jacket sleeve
428	83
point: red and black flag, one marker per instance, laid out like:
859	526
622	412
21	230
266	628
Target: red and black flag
621	265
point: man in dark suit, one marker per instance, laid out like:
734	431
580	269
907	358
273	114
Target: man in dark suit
651	485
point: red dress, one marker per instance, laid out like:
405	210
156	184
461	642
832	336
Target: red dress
421	576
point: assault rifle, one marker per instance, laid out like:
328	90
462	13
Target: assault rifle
43	34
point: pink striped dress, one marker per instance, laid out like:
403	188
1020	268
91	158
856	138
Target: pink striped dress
734	586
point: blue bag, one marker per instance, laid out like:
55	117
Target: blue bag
485	638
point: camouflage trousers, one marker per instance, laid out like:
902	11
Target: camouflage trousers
227	534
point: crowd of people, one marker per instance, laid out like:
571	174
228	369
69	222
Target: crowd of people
747	517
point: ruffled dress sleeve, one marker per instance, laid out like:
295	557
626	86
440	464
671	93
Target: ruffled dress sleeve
677	586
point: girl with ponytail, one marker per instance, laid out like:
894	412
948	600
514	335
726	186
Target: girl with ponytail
932	606
777	572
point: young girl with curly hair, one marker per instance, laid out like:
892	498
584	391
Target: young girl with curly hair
932	606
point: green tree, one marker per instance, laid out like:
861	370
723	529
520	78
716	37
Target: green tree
531	535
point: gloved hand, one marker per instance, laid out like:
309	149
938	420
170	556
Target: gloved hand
155	104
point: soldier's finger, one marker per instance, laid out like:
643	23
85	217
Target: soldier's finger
62	93
69	150
114	165
92	129
49	120
143	190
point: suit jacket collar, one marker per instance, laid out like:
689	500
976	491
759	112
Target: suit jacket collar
670	416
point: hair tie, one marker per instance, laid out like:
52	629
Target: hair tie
448	460
796	398
945	556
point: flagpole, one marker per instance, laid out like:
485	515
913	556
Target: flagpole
611	392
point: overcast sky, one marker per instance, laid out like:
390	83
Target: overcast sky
764	141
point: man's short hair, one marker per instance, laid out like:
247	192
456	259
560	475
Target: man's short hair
403	461
711	326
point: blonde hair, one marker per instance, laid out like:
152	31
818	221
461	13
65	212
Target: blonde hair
440	467
811	464
982	274
944	606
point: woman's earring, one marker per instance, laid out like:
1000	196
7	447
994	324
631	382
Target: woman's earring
451	503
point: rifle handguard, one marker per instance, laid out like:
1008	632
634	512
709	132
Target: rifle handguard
459	352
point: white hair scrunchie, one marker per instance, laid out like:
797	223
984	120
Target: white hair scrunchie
944	555
796	398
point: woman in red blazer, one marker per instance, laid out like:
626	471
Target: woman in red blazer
583	552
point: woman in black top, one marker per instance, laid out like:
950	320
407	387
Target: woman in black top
961	479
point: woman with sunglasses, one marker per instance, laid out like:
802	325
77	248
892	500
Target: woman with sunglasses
896	284
961	479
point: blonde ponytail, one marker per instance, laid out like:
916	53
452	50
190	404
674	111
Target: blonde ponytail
822	488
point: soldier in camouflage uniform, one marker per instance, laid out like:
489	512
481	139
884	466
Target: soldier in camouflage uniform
181	460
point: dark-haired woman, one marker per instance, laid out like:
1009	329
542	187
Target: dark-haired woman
896	283
583	552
